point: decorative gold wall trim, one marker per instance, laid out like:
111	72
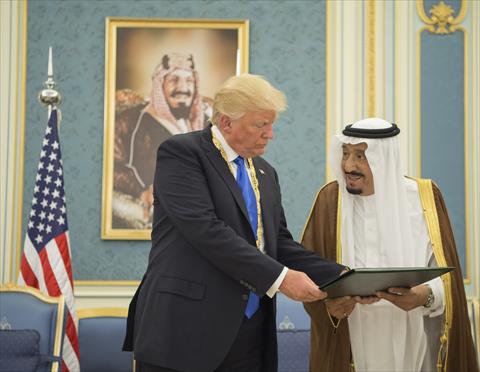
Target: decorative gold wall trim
475	17
113	283
466	151
403	81
328	88
370	62
418	96
345	72
384	63
442	20
114	312
23	8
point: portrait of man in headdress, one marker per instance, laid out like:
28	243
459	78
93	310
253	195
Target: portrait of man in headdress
165	79
175	106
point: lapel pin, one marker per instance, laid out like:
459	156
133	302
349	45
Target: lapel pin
261	171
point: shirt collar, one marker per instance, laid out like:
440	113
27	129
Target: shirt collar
231	154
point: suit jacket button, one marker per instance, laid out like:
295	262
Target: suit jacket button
245	297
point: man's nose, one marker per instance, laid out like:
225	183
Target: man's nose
182	85
349	164
268	133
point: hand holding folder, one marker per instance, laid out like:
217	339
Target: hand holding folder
367	281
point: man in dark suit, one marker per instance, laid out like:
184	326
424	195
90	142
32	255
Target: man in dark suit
220	245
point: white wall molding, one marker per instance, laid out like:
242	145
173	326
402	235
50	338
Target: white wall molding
12	117
345	67
103	296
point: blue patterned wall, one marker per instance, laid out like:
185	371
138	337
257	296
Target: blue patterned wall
443	125
287	45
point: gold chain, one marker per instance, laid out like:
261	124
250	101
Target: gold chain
335	325
254	183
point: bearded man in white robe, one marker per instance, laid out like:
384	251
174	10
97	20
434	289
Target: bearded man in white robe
373	216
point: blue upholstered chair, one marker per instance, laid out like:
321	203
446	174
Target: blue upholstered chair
100	334
32	326
293	350
293	344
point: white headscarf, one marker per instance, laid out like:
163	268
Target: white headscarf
391	204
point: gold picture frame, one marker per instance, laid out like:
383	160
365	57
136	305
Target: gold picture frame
157	71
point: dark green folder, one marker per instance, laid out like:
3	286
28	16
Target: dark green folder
366	281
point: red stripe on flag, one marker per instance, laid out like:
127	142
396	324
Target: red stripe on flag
64	367
50	279
72	334
28	275
62	244
54	290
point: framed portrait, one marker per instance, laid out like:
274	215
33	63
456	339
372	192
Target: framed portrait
160	80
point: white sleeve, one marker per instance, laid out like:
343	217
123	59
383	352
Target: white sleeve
438	305
276	284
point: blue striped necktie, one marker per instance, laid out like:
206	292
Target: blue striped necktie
243	182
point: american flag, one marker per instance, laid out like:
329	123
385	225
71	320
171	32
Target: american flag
46	261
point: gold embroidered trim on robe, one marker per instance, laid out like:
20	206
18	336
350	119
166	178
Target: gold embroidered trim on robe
431	217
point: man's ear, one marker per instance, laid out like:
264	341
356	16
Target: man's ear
225	123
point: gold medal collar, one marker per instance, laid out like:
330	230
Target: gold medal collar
253	181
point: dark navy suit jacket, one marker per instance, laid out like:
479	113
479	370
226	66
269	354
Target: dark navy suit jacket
203	262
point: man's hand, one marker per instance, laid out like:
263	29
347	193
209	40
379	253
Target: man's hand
342	307
299	287
406	299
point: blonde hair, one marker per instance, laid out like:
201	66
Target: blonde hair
246	93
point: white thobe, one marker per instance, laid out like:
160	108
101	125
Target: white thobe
384	337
